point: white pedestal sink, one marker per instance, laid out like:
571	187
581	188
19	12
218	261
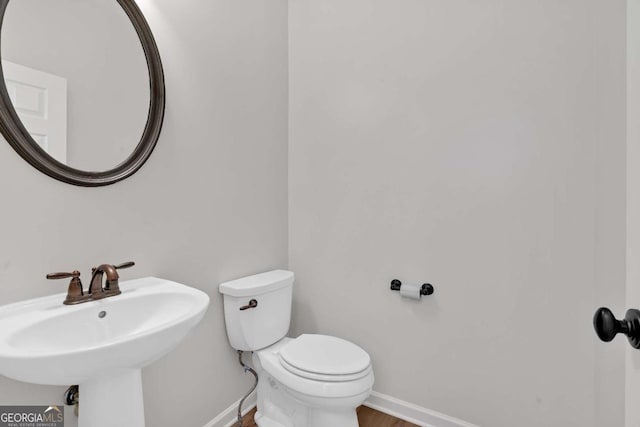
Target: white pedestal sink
99	345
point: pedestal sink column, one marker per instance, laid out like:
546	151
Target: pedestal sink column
112	400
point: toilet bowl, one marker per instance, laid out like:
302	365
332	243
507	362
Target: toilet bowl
308	381
313	397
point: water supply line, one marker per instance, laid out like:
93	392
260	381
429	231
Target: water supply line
246	369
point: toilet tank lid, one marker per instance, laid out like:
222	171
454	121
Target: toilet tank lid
257	284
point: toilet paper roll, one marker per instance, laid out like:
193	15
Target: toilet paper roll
410	291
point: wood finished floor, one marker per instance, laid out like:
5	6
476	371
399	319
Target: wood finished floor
367	417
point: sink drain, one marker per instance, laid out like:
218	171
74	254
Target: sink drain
102	314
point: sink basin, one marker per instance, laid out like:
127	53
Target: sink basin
100	345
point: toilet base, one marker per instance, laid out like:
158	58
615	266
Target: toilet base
315	419
347	418
282	407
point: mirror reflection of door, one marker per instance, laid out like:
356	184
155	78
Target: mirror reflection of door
40	99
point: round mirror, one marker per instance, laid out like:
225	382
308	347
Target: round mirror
82	90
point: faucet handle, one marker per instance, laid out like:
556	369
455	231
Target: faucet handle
124	265
117	266
53	276
75	293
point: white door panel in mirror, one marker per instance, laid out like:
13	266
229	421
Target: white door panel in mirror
40	99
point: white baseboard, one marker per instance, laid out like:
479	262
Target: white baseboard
412	413
229	416
381	402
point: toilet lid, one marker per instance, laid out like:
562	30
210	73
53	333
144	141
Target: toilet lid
326	355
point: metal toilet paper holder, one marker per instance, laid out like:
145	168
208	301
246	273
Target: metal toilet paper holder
426	289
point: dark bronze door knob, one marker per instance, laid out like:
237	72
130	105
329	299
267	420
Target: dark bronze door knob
607	326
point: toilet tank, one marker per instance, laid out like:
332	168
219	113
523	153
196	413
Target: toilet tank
266	323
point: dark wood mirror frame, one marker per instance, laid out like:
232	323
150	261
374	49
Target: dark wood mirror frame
17	135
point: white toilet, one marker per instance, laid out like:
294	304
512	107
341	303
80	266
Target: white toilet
309	381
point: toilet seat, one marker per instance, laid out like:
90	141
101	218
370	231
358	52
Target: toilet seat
324	377
324	358
270	360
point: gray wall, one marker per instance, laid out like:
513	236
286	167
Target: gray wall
478	146
209	206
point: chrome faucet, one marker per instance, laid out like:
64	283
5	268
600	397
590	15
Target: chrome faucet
75	293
